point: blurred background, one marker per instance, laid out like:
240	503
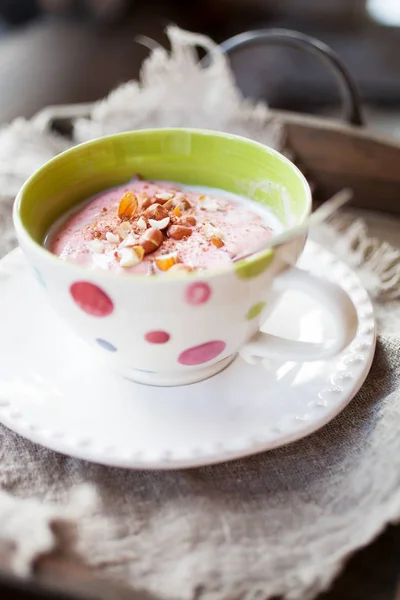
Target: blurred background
63	51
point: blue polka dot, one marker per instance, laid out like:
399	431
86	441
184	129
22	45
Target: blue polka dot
39	277
106	345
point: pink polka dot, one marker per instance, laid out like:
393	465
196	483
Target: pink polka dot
157	337
91	299
198	293
201	354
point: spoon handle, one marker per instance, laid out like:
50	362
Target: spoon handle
321	214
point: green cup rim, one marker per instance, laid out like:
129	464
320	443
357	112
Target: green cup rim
23	233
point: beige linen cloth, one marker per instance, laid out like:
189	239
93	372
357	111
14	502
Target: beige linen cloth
279	524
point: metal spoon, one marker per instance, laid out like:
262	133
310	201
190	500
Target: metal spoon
321	214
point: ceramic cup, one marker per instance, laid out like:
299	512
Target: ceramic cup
177	329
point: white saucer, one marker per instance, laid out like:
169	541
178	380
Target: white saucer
55	392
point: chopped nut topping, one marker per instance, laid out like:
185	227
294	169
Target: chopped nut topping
187	220
164	196
159	224
124	229
169	204
142	224
112	238
207	203
168	229
128	257
166	261
151	240
139	252
129	241
95	246
181	206
210	231
156	211
127	206
146	201
178	232
217	242
180	268
141	198
184	204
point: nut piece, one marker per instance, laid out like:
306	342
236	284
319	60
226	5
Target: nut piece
169	204
166	261
138	250
144	200
124	230
217	242
163	197
187	220
180	268
177	211
156	212
184	204
159	224
210	231
127	206
128	257
149	201
207	203
95	246
151	240
142	224
112	238
178	232
129	241
180	206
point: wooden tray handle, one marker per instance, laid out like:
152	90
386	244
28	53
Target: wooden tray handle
351	103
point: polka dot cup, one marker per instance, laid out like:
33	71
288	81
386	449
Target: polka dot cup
176	329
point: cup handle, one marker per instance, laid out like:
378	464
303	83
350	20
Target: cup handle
333	297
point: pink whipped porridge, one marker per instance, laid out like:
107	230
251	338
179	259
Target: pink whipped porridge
146	227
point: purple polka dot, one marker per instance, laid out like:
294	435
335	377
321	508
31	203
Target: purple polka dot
198	293
157	337
197	355
106	345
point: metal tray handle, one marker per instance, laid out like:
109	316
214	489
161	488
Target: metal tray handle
351	102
